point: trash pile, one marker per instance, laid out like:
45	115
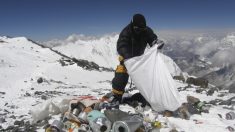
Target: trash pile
89	114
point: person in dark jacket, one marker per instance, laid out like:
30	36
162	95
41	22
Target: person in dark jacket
132	42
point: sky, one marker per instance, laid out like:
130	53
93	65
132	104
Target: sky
43	20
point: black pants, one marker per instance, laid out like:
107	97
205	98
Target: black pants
120	79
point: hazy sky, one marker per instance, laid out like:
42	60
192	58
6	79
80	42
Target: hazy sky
47	19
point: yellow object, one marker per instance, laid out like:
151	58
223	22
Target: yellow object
117	92
121	69
157	124
48	129
120	58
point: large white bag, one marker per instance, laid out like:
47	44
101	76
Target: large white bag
154	81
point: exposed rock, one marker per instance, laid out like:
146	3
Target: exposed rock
21	126
232	88
215	102
192	99
198	82
200	90
2	93
12	116
173	130
40	80
1	41
2	120
211	91
86	64
62	63
180	78
27	94
228	102
44	97
38	93
19	123
221	95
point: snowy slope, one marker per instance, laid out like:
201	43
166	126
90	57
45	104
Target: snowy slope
22	62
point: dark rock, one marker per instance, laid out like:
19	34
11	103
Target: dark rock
21	126
182	112
220	116
1	41
62	63
228	102
221	95
199	90
3	93
27	94
229	108
6	111
38	93
11	129
40	80
44	97
42	123
211	91
232	88
12	116
13	106
173	130
2	120
86	64
32	88
192	100
19	123
198	82
21	116
180	78
215	102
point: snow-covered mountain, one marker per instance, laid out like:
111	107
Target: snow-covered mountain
101	50
32	75
204	54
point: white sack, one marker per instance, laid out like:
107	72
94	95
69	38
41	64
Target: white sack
50	107
154	81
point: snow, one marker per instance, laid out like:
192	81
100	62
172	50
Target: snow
23	62
229	40
99	50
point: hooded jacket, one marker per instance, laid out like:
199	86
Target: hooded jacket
130	44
